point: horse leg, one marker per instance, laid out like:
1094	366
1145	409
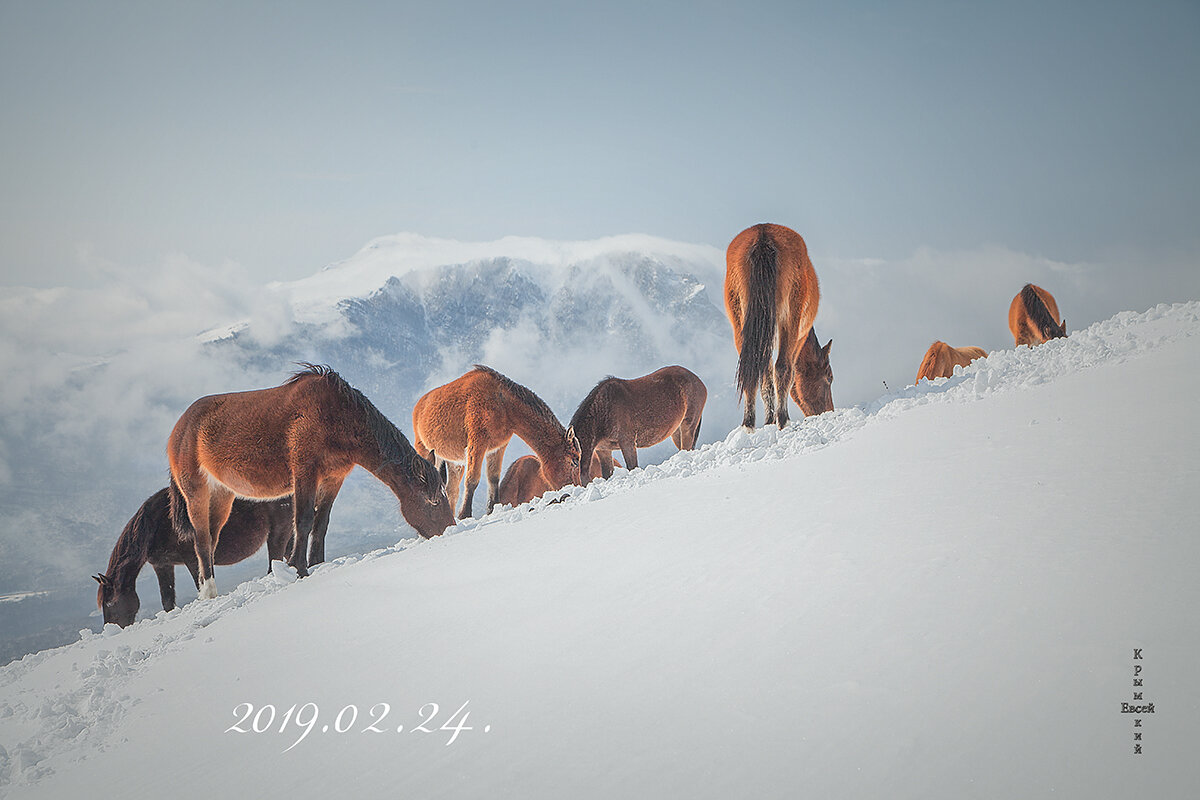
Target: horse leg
495	462
767	388
454	479
629	451
326	493
166	584
193	569
304	503
475	456
204	502
606	463
784	371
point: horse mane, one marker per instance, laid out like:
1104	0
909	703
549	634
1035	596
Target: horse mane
591	411
393	444
524	395
132	549
1047	325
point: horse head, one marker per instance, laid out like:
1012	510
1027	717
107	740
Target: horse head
422	492
120	607
560	467
813	387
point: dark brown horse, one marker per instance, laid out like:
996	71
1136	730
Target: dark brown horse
300	439
153	536
475	416
771	296
812	388
628	414
523	481
941	359
1033	317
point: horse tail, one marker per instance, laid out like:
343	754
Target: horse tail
758	330
179	513
1046	324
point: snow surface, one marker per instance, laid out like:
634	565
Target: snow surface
938	594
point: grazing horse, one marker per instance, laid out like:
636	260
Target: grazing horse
1033	317
300	439
153	535
771	296
523	481
475	416
813	386
941	359
640	412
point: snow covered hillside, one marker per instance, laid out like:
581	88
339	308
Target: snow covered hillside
946	593
82	436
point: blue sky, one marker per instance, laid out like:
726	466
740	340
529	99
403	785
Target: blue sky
283	136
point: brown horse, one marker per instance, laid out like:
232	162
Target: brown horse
813	386
1033	317
771	296
300	439
640	412
152	535
523	481
475	416
941	359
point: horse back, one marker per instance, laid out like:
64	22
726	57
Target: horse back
249	440
471	407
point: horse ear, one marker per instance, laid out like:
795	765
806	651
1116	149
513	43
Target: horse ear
1064	327
101	579
825	349
572	438
432	457
444	472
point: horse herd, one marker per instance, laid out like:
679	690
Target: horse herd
265	466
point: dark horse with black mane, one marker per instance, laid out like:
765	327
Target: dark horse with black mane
153	536
640	412
300	439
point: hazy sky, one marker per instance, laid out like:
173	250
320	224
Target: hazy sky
283	136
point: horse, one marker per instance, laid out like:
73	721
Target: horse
475	416
771	297
812	388
301	438
1033	317
523	481
941	359
153	535
640	412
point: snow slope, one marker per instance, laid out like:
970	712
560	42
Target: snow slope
939	594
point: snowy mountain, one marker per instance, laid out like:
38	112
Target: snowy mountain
947	592
83	445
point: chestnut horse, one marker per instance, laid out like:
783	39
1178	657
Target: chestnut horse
771	296
1033	317
523	481
300	439
475	416
154	535
639	412
941	359
813	386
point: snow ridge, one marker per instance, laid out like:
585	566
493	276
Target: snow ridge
66	702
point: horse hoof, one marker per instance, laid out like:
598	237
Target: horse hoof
208	589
